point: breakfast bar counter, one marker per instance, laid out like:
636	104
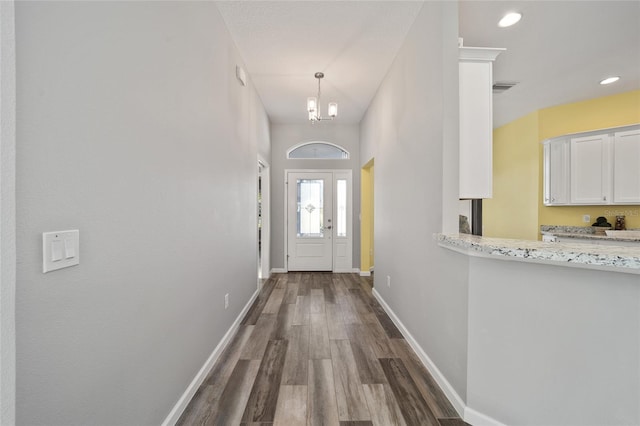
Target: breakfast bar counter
590	256
553	331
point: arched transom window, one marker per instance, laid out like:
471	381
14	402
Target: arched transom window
317	150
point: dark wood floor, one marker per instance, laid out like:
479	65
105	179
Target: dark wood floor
318	349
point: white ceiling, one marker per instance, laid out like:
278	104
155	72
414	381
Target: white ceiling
558	52
284	43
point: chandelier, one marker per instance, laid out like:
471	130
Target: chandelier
313	105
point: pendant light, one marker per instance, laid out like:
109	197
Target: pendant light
313	105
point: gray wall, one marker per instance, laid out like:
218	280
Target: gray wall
132	128
409	130
552	345
283	137
7	213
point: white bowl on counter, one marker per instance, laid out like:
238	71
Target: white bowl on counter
623	234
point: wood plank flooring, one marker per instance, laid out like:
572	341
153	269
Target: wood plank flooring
318	349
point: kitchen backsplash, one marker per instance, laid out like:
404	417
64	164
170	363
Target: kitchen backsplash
573	215
587	230
568	229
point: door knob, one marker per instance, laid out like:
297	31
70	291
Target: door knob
327	227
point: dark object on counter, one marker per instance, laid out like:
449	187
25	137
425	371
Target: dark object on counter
602	221
620	223
463	225
601	225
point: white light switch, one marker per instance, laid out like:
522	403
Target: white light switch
56	250
69	248
60	249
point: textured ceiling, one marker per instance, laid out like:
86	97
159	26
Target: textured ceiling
558	52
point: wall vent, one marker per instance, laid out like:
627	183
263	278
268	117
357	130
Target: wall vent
502	86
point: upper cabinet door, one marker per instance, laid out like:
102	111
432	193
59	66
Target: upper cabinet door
556	173
626	166
590	170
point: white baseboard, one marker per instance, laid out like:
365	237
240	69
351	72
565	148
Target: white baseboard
337	271
365	274
475	418
261	282
468	414
449	391
345	271
184	400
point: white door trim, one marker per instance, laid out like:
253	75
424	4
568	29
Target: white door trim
334	172
266	217
7	213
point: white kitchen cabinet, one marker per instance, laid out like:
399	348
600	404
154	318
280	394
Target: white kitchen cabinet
556	172
476	121
590	170
601	167
626	167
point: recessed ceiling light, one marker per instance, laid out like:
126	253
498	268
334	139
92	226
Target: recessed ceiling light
510	19
609	80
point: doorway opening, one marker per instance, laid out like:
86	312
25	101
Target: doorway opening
366	219
263	222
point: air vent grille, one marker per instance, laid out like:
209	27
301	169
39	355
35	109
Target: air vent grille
502	86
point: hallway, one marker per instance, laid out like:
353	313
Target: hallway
318	349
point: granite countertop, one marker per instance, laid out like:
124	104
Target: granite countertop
582	232
591	256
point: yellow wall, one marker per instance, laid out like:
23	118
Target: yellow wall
594	114
366	217
513	210
516	210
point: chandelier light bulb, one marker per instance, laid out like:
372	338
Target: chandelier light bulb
333	109
312	104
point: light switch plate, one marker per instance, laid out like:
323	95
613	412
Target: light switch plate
60	250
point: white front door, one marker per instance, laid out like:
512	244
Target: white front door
310	221
319	221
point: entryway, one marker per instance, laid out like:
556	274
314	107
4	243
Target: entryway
318	223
